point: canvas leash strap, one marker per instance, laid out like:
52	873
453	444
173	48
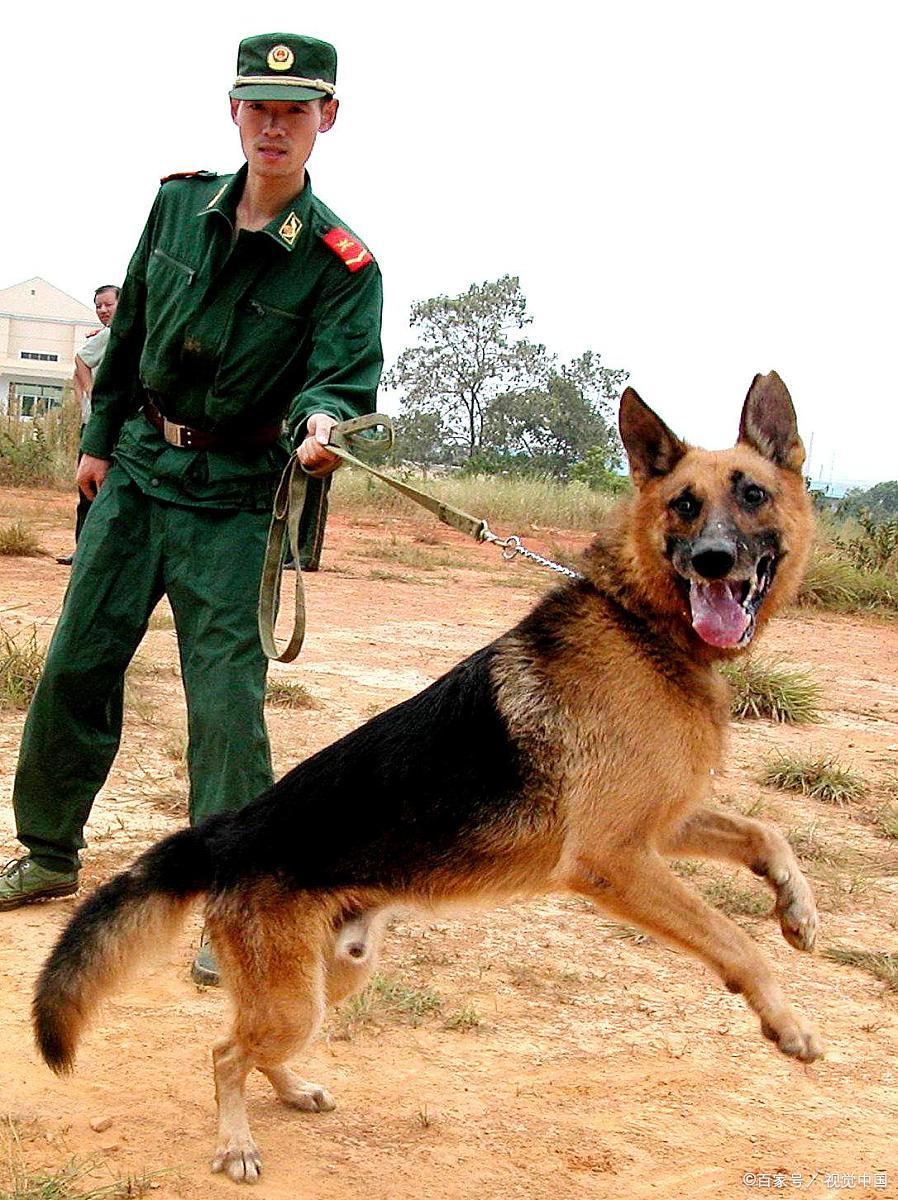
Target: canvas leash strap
284	529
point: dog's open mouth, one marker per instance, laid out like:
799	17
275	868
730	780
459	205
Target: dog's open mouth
724	610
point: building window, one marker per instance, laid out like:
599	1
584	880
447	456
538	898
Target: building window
35	357
35	400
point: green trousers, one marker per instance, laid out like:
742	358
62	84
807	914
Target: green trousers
132	551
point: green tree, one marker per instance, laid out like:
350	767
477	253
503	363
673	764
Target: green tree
475	386
469	351
879	501
419	438
552	428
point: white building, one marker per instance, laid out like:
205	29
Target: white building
41	331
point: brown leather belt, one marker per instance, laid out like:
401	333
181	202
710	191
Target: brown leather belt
187	438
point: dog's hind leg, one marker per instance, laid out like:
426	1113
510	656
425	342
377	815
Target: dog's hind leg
641	888
273	964
347	968
710	834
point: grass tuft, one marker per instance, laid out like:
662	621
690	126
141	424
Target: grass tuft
21	664
820	777
766	688
18	541
886	820
881	966
464	1020
281	693
385	1001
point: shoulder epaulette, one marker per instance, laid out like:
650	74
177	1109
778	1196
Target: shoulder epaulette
189	175
348	248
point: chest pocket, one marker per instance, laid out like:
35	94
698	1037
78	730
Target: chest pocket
169	296
264	344
163	262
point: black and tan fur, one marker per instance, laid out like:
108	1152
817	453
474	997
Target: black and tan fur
573	754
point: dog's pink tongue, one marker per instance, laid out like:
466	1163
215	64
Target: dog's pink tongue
717	617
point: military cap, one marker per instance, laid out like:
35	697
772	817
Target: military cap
284	66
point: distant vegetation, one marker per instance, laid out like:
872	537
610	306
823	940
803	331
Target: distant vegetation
854	567
542	452
879	503
42	451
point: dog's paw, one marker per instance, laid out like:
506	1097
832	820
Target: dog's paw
239	1159
793	1035
796	908
307	1097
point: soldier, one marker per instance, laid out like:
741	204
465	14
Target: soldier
247	307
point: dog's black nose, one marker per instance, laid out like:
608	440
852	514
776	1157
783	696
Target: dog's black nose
713	559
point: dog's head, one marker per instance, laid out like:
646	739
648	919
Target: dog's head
721	538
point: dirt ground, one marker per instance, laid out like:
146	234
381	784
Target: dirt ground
536	1050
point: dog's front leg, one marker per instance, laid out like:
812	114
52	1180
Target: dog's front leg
710	834
641	888
237	1154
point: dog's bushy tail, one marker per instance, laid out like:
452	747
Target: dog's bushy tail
131	916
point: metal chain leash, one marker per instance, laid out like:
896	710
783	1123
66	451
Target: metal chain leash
512	546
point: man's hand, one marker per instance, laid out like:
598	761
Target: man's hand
91	473
313	454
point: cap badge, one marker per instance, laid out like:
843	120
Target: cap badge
280	58
289	231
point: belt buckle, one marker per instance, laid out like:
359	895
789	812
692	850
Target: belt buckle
174	433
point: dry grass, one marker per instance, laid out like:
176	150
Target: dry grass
21	663
737	901
463	1020
407	554
767	688
520	503
19	541
281	693
819	776
385	1001
75	1180
885	821
881	966
382	576
810	846
833	582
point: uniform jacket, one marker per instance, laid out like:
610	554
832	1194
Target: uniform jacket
231	333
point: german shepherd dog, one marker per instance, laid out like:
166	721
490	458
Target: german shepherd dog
573	754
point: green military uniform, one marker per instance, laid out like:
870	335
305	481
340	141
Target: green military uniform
229	334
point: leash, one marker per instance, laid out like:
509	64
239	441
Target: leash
284	530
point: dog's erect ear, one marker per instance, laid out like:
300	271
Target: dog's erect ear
768	422
651	447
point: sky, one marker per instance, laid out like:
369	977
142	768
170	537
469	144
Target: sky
695	190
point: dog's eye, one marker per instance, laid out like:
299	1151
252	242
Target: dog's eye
686	506
753	495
